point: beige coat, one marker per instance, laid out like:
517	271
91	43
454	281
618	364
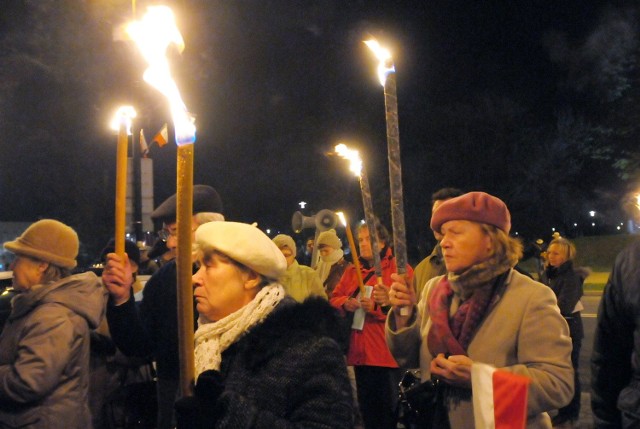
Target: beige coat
524	333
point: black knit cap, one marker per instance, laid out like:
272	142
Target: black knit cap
205	200
130	248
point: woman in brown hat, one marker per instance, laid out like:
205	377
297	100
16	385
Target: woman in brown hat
482	311
44	346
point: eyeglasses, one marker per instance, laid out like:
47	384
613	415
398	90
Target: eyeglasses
164	234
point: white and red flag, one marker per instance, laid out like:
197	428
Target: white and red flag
499	398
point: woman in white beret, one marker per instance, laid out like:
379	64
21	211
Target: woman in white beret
262	360
482	311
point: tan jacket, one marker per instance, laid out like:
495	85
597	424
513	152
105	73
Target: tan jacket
524	333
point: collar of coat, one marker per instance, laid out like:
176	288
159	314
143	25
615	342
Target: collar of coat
289	323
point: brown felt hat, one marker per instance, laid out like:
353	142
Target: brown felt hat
474	206
48	240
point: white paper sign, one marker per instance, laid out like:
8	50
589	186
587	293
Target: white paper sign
359	314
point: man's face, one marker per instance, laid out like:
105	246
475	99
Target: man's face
310	246
364	243
170	231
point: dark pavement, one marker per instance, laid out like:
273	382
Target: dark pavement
589	314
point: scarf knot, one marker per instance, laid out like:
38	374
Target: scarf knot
213	338
476	290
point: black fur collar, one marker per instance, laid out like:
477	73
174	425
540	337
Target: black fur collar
289	323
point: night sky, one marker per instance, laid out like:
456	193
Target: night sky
276	84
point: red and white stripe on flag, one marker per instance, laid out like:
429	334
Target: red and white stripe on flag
499	398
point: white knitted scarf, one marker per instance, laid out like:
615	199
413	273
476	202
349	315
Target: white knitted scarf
326	262
212	338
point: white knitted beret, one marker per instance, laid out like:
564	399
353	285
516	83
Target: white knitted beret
245	244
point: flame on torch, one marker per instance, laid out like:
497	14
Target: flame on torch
153	35
124	115
343	221
355	162
384	56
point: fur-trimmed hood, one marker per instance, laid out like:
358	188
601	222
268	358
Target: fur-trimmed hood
291	322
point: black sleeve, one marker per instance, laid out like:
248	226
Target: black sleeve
127	330
613	344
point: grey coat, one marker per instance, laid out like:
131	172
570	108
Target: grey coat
44	354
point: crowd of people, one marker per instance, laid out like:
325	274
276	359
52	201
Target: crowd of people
282	344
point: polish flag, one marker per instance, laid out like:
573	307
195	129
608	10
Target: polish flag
499	398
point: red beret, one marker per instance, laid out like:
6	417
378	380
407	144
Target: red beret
474	206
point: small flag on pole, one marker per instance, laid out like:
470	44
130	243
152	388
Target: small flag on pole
499	398
144	147
162	137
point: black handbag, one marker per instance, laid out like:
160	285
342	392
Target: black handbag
134	405
421	404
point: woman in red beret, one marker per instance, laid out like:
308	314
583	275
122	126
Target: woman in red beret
482	311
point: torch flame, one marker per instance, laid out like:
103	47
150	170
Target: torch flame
384	56
153	35
124	115
342	218
355	163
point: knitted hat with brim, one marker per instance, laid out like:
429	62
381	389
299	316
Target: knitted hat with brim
284	240
48	240
245	244
329	238
476	207
205	200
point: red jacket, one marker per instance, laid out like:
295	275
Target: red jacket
368	347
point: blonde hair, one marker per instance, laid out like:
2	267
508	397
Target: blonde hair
569	247
503	245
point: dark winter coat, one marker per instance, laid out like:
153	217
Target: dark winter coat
335	274
566	283
287	372
44	354
615	362
152	328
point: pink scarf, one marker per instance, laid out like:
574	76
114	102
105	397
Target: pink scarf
452	336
